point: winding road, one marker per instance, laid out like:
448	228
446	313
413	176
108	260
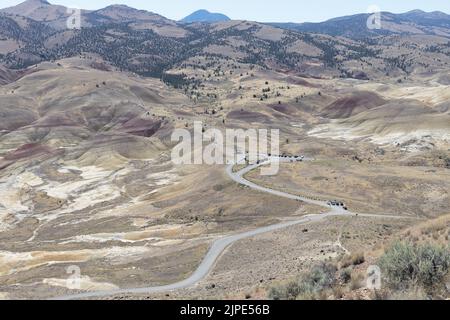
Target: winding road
221	244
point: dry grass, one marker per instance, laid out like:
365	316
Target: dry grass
436	231
353	259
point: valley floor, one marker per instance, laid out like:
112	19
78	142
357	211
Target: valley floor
88	188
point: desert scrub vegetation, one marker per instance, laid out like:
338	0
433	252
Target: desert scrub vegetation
310	286
345	275
406	266
353	259
416	266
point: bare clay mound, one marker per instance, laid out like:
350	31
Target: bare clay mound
248	116
6	76
408	124
14	117
354	104
147	95
286	109
9	76
300	82
27	150
400	115
142	127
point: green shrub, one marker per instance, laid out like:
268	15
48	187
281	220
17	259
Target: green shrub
309	286
405	266
288	291
321	276
345	275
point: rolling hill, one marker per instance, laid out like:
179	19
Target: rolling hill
355	26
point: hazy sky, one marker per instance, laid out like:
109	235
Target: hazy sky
260	10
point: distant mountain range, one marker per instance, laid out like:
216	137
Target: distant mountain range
150	44
355	26
205	16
